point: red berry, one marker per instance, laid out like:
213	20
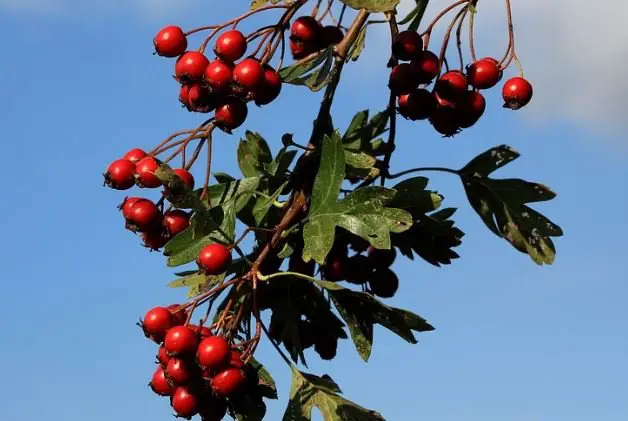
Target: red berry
176	221
143	216
384	283
332	35
306	29
190	66
184	96
231	45
269	89
249	74
159	384
484	73
157	321
134	155
236	359
426	66
170	42
471	109
178	371
451	85
184	402
219	75
213	408
181	340
162	356
403	79
334	270
185	176
407	45
180	316
417	105
120	174
381	258
154	239
445	121
229	382
203	332
213	352
442	102
300	49
200	99
214	259
517	93
125	207
145	172
231	114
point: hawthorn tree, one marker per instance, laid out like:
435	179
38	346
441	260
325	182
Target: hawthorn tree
327	225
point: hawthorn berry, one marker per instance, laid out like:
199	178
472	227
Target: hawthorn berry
157	322
359	269
190	66
426	66
384	283
445	121
176	221
451	85
442	102
231	45
269	89
249	74
228	382
213	408
120	175
181	340
407	45
381	258
484	73
162	356
202	331
200	99
145	172
170	41
125	206
417	105
306	29
178	371
213	352
331	35
300	49
517	93
184	402
154	239
235	359
143	216
159	383
184	96
134	155
219	75
185	176
471	109
214	259
231	114
334	269
180	316
403	79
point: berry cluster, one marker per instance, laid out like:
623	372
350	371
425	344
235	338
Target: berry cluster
198	371
454	102
308	36
223	85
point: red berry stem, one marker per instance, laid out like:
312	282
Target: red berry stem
510	51
459	38
428	31
471	34
443	48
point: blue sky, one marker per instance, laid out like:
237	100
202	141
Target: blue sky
514	342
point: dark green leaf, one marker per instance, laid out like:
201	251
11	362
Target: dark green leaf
253	154
239	191
372	5
420	11
266	386
487	162
263	204
248	407
292	73
412	196
358	46
319	78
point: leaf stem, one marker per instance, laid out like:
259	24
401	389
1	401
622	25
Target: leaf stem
423	169
262	277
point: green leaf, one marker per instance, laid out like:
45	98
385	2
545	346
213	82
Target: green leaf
493	159
309	391
412	196
418	17
256	4
239	191
372	5
361	133
319	78
263	204
266	386
358	46
293	73
361	311
253	154
362	212
247	407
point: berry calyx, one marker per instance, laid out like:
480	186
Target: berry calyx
190	66
178	371
445	121
159	383
145	172
426	66
417	105
402	79
184	402
229	382
249	74
517	93
451	85
484	73
269	89
231	114
407	45
156	322
306	29
120	174
470	109
185	176
180	340
134	155
170	41
231	46
384	283
219	75
332	35
213	352
143	216
176	221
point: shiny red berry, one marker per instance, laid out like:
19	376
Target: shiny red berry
231	114
213	352
214	259
180	316
451	85
300	49
484	73
445	121
176	221
306	29
162	357
159	384
120	175
470	109
332	35
181	340
157	321
143	216
170	41
185	176
154	239
236	359
190	66
203	332
200	99
407	45
145	172
179	371
229	382
517	93
125	206
426	66
184	96
249	74
231	45
219	75
134	155
269	89
184	402
403	79
417	105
